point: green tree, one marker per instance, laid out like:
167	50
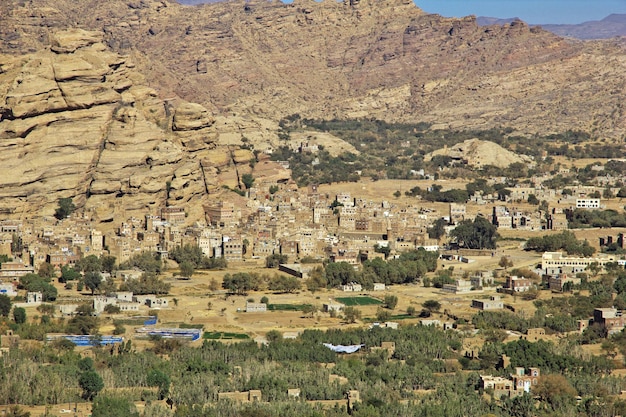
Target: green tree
391	301
148	283
66	207
338	273
159	379
505	262
105	406
431	305
351	314
247	180
5	305
186	269
91	383
309	310
282	283
272	261
477	234
239	283
274	336
382	314
532	199
17	411
19	315
108	263
437	231
89	263
93	280
68	273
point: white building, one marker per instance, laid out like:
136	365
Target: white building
588	203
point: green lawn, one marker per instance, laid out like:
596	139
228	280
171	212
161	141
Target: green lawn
358	301
286	307
224	335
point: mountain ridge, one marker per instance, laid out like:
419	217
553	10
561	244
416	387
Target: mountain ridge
611	26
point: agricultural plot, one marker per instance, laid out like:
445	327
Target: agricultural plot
358	301
286	307
225	336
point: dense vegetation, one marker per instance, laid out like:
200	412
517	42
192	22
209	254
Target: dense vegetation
562	241
192	377
396	151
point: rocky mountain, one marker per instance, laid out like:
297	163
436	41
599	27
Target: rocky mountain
611	26
78	121
107	110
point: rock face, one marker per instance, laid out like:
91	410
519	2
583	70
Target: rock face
78	121
478	153
370	58
80	118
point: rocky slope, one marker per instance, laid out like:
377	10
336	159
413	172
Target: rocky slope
108	110
479	153
78	121
369	58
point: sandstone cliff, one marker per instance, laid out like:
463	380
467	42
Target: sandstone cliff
370	58
78	121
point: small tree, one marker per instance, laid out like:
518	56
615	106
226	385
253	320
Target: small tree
46	270
247	180
431	305
5	305
66	207
159	379
382	314
91	383
93	281
309	310
391	301
186	269
105	406
19	315
505	262
351	314
410	310
273	336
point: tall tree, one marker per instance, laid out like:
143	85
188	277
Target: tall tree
93	280
5	305
19	315
65	208
477	234
91	383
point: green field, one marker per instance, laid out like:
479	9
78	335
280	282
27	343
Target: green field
286	307
225	335
358	301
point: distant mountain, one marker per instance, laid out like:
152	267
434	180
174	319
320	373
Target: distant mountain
486	21
609	27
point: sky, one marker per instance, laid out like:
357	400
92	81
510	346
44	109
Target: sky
530	11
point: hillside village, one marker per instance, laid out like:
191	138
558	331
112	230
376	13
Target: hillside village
311	209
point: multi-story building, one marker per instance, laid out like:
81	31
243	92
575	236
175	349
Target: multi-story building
588	203
611	318
517	284
556	260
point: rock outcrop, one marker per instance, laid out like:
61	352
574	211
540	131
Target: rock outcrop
479	153
385	59
78	121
